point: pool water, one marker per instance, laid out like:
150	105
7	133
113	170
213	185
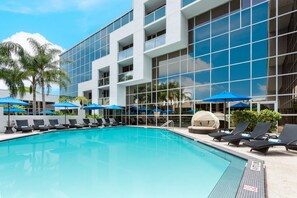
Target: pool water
123	162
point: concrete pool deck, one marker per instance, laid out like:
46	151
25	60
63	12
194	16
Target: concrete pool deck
281	165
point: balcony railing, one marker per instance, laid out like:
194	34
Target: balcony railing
125	53
156	42
103	81
187	2
126	76
157	14
103	101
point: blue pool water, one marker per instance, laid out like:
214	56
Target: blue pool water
114	163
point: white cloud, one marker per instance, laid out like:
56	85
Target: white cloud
21	38
262	87
46	6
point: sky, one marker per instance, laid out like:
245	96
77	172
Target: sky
63	23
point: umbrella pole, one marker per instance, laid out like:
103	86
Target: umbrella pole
225	115
8	124
65	114
94	115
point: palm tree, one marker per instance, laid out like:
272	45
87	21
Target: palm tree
47	68
64	99
82	100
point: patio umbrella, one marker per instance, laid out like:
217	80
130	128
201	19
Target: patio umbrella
191	111
11	101
240	105
114	107
14	110
65	105
47	112
226	97
168	111
93	107
144	109
157	110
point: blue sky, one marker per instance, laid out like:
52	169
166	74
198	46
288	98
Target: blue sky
62	22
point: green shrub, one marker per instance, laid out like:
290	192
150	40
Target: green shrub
94	116
253	117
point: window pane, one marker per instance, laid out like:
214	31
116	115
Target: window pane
187	80
240	54
202	33
202	63
238	72
219	88
220	26
235	21
263	68
220	59
202	77
246	17
220	42
260	31
202	48
220	75
242	87
260	50
260	12
240	37
202	92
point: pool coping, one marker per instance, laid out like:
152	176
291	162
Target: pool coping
253	181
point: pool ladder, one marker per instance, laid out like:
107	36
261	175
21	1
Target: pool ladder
168	124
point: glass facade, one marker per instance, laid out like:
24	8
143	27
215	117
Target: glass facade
246	46
90	49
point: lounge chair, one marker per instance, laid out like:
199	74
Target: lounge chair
204	122
73	124
287	138
140	121
55	124
112	122
22	125
102	122
87	122
241	127
133	121
120	122
39	125
258	133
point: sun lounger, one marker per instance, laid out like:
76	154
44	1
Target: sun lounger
39	125
73	124
102	122
241	127
287	138
112	122
88	123
22	125
55	124
258	133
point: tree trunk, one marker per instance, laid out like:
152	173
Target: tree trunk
43	96
34	96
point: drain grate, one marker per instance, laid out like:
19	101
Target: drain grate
256	166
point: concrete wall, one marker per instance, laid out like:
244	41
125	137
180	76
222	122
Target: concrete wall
30	118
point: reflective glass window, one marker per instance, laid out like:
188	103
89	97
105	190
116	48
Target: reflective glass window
240	54
202	19
187	80
220	43
235	21
246	17
202	63
240	37
220	59
202	48
202	92
173	68
162	71
219	88
241	87
239	72
220	75
261	68
263	86
202	33
260	49
174	82
260	12
245	4
260	31
202	77
221	26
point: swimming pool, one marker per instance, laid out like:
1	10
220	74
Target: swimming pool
123	162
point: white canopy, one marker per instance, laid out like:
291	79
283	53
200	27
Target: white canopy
205	119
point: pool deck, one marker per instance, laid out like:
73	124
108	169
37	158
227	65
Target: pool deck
281	165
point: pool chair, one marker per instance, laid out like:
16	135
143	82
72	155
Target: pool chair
112	122
54	123
22	125
73	124
241	127
102	122
151	121
88	123
120	122
140	121
39	125
133	121
204	122
258	134
287	138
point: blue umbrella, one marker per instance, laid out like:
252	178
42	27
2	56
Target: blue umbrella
11	101
226	97
93	107
114	107
14	110
65	105
168	111
133	108
144	109
157	110
191	111
240	105
47	112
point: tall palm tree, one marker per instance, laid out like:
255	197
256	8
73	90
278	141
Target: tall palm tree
47	68
82	100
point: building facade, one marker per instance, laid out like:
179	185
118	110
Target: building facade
170	55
